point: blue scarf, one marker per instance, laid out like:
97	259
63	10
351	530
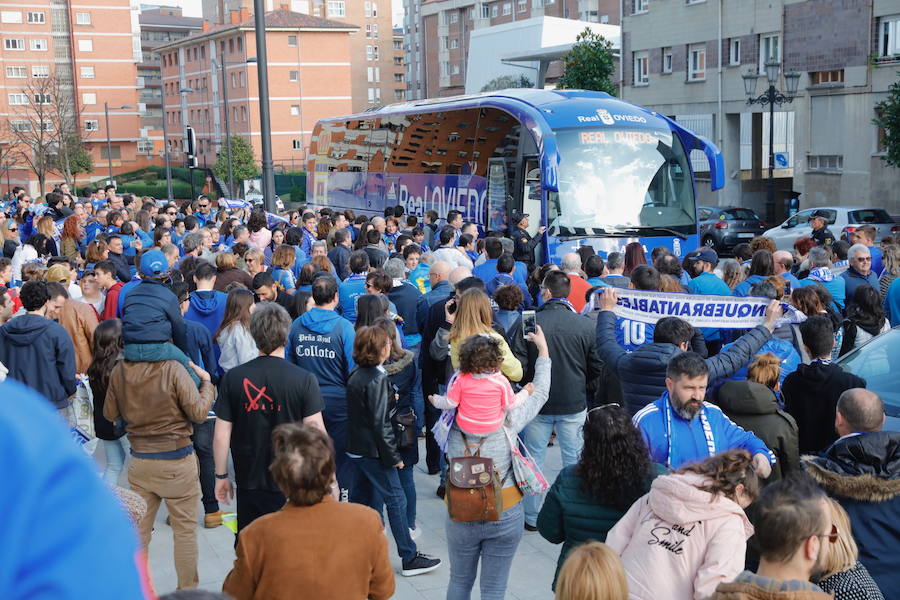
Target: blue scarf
704	422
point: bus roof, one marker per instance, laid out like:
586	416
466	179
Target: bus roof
558	108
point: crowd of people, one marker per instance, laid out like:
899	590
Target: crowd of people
294	362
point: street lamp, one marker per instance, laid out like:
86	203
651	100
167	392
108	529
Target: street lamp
169	194
108	140
221	65
771	97
265	125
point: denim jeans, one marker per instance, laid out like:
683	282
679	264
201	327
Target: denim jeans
418	399
116	451
202	439
409	490
158	352
344	467
494	543
536	436
373	477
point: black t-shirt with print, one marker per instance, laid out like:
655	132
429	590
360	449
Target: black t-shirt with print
256	397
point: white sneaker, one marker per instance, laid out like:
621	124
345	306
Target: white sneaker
414	533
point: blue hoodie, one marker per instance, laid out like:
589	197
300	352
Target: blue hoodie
689	443
208	309
39	353
321	341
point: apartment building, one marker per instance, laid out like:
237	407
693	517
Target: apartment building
84	54
158	26
438	38
687	59
399	72
371	46
309	72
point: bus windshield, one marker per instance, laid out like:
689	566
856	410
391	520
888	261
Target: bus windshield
622	182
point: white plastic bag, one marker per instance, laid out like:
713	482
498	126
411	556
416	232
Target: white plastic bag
83	409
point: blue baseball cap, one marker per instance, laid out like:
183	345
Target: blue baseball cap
154	263
706	254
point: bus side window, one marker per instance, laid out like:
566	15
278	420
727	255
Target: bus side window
497	194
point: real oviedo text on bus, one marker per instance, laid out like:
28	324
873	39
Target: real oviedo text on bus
593	169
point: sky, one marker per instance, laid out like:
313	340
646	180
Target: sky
193	8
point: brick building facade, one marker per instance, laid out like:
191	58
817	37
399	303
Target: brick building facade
310	77
81	54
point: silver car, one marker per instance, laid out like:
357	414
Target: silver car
842	221
878	362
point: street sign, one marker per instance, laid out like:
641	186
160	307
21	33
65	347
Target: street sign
782	160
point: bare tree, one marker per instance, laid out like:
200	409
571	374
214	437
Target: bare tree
43	129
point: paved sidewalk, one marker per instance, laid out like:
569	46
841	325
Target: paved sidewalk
530	577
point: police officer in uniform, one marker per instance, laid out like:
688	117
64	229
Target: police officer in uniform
820	233
524	243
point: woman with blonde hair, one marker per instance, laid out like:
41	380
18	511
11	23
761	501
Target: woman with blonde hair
282	268
890	259
47	227
469	315
592	572
732	273
752	405
843	574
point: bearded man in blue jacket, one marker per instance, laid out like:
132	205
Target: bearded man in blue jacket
680	428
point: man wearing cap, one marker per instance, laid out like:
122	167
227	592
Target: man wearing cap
707	283
820	233
151	317
525	244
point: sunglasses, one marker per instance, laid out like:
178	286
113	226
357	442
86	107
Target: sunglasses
833	536
204	206
863	258
171	214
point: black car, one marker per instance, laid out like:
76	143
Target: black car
724	227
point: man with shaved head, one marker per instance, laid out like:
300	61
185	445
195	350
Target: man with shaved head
784	262
861	470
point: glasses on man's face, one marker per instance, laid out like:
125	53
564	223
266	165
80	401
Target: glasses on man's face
204	206
833	536
863	259
171	214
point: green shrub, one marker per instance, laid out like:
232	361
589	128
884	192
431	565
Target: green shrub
180	189
149	177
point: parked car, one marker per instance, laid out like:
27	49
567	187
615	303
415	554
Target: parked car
842	221
878	362
724	227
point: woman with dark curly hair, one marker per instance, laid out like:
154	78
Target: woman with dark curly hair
589	497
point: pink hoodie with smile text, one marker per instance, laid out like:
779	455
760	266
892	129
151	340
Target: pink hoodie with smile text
679	542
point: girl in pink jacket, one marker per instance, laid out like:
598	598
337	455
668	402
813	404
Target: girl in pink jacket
689	534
